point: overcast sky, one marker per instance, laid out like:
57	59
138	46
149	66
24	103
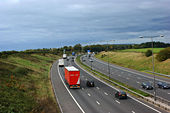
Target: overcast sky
32	24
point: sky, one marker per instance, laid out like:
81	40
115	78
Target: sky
33	24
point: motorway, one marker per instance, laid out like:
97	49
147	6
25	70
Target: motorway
98	99
128	76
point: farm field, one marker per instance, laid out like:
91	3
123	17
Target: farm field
155	50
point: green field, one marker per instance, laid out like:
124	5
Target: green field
135	60
155	50
25	84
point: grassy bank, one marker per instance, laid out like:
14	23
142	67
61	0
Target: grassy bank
155	50
137	61
25	84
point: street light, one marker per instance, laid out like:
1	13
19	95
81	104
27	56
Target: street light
108	56
151	37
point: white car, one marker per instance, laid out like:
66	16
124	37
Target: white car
61	62
64	56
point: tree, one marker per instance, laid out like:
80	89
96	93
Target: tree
77	47
148	53
163	54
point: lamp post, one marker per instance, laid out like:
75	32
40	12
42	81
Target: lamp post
108	56
153	68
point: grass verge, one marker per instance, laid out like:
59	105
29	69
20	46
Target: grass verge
25	84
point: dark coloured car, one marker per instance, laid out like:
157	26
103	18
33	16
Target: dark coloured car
121	95
163	85
147	85
90	83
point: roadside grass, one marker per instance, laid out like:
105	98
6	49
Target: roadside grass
25	84
137	61
104	77
143	50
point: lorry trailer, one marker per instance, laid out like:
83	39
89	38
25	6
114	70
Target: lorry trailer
72	77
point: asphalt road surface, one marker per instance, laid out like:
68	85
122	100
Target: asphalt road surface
98	99
128	76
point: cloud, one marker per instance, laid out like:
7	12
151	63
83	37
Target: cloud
42	23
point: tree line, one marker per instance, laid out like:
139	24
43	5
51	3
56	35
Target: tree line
78	48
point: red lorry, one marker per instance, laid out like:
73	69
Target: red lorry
72	77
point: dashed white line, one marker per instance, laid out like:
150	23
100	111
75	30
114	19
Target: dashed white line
133	112
88	94
97	87
127	78
118	90
168	93
97	102
119	75
82	88
105	93
117	101
86	79
138	82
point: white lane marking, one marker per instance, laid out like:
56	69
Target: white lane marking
105	93
97	102
168	93
86	79
128	70
119	75
118	90
145	104
117	101
88	94
97	87
133	112
127	78
82	88
70	92
55	91
138	82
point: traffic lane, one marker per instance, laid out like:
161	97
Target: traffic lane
89	105
135	106
133	71
62	96
133	81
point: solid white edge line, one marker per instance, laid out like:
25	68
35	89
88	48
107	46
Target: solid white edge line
55	91
130	71
70	93
89	94
118	90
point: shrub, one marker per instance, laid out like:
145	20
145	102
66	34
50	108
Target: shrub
148	53
163	54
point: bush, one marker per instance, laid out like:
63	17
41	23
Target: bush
163	54
148	53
